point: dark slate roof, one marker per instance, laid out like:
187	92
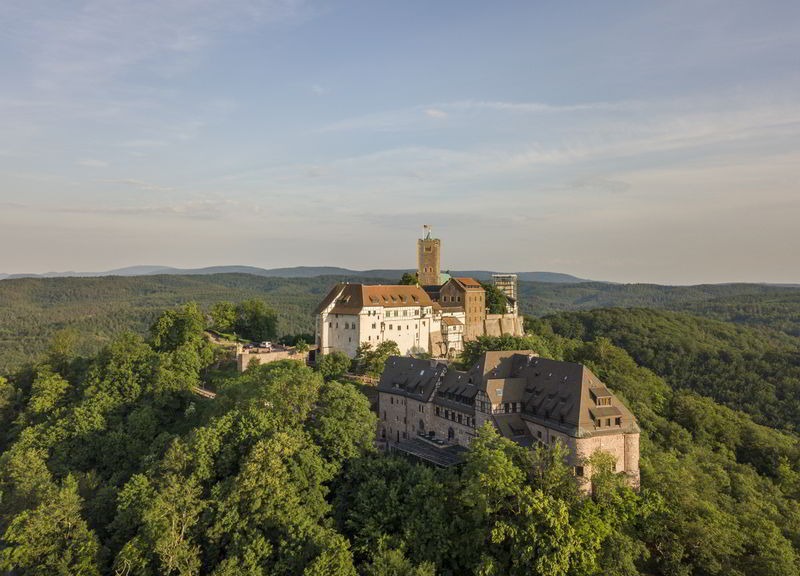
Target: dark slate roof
442	455
512	426
433	290
411	376
560	395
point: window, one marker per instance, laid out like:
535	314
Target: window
505	407
608	421
390	326
597	423
459	418
539	434
330	324
618	421
579	471
436	410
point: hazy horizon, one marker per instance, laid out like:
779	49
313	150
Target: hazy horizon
628	142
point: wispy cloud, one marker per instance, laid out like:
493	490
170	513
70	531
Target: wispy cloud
435	113
413	117
14	205
96	40
137	184
143	143
92	163
200	209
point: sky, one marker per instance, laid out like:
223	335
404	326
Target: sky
625	141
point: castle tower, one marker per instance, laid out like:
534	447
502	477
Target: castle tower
428	250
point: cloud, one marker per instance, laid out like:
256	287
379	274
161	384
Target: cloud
318	90
410	118
137	184
143	143
85	43
92	163
435	113
200	209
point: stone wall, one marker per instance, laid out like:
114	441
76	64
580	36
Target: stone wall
244	358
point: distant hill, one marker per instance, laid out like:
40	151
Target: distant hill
294	272
32	309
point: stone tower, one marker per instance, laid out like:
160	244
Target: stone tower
428	258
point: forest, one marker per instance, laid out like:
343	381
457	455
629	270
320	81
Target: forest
32	310
110	465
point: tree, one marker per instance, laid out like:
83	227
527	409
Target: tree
516	530
9	397
223	315
343	425
474	348
63	346
176	327
371	362
495	299
392	562
255	320
301	346
52	538
333	365
409	279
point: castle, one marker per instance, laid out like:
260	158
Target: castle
435	316
430	411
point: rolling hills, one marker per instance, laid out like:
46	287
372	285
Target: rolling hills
98	308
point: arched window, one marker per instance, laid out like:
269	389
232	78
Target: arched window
421	426
450	433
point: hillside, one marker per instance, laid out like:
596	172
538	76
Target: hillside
33	309
291	272
753	370
110	465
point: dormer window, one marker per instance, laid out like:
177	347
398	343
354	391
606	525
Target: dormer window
600	396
